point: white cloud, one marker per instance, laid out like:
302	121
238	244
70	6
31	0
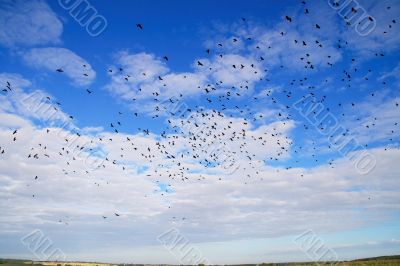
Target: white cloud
282	43
28	23
138	70
375	118
53	58
234	70
277	49
255	201
377	41
27	102
395	73
144	78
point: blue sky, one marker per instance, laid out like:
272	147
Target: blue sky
238	148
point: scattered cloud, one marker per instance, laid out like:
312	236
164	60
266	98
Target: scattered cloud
53	58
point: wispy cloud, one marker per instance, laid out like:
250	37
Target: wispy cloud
53	58
28	23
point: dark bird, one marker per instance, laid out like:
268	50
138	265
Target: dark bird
140	26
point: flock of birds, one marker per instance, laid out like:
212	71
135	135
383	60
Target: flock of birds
206	140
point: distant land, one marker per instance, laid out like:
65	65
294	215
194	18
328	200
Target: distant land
374	261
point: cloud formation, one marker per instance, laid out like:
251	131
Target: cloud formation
53	58
29	23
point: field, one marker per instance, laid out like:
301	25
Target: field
12	262
378	261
